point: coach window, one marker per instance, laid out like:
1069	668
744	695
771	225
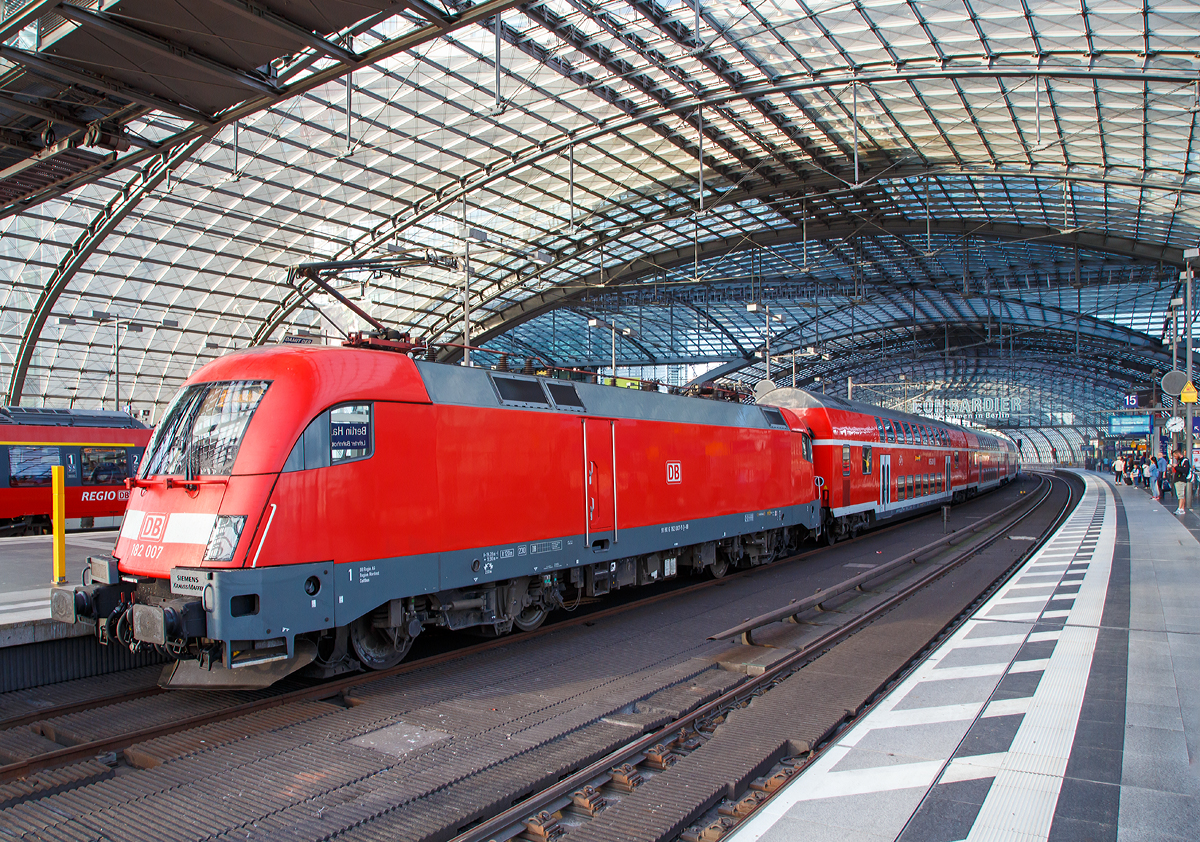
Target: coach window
29	467
891	431
882	431
103	465
956	458
845	460
908	434
911	495
866	462
899	495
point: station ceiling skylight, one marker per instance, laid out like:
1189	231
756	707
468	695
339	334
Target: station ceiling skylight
974	195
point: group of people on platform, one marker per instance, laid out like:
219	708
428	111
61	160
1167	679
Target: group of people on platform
1162	477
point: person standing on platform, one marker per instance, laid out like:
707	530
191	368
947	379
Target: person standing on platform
1118	470
1183	476
1164	476
1152	475
1146	471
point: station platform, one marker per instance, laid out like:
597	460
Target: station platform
26	567
1066	708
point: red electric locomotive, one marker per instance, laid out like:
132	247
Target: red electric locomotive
97	449
321	506
878	463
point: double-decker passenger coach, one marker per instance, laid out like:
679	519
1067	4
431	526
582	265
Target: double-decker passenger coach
879	463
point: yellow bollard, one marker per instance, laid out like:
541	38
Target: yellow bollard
59	506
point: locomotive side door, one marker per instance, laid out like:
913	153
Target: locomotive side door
885	480
600	486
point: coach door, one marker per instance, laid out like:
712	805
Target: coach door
600	486
885	480
948	474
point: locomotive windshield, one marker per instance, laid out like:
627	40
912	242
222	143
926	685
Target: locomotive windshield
202	429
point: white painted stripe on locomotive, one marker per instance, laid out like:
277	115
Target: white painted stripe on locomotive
132	526
189	528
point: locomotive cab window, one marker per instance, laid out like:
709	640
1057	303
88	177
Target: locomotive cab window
806	446
350	433
343	434
103	465
866	460
202	429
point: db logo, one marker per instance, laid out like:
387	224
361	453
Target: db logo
153	527
674	473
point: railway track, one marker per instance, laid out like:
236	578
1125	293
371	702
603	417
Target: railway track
294	690
86	751
569	804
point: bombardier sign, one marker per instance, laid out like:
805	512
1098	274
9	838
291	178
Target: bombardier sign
986	407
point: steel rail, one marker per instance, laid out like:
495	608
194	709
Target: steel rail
497	826
339	686
796	606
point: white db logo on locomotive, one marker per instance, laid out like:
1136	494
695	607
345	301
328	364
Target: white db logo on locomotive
674	473
153	526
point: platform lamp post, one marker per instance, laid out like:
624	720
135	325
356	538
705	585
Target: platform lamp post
1189	255
131	326
752	307
594	322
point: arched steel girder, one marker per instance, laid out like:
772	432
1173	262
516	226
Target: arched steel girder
438	25
559	296
630	339
866	75
1110	335
1089	326
1107	374
145	182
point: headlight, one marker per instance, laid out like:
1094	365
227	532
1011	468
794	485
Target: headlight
224	538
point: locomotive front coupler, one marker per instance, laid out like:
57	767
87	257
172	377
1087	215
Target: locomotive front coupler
103	590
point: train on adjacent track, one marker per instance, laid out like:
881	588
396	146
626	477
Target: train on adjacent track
319	507
98	450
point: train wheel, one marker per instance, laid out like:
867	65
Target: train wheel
530	618
719	568
831	536
375	647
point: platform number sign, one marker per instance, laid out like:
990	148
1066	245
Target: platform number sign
1131	401
674	473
